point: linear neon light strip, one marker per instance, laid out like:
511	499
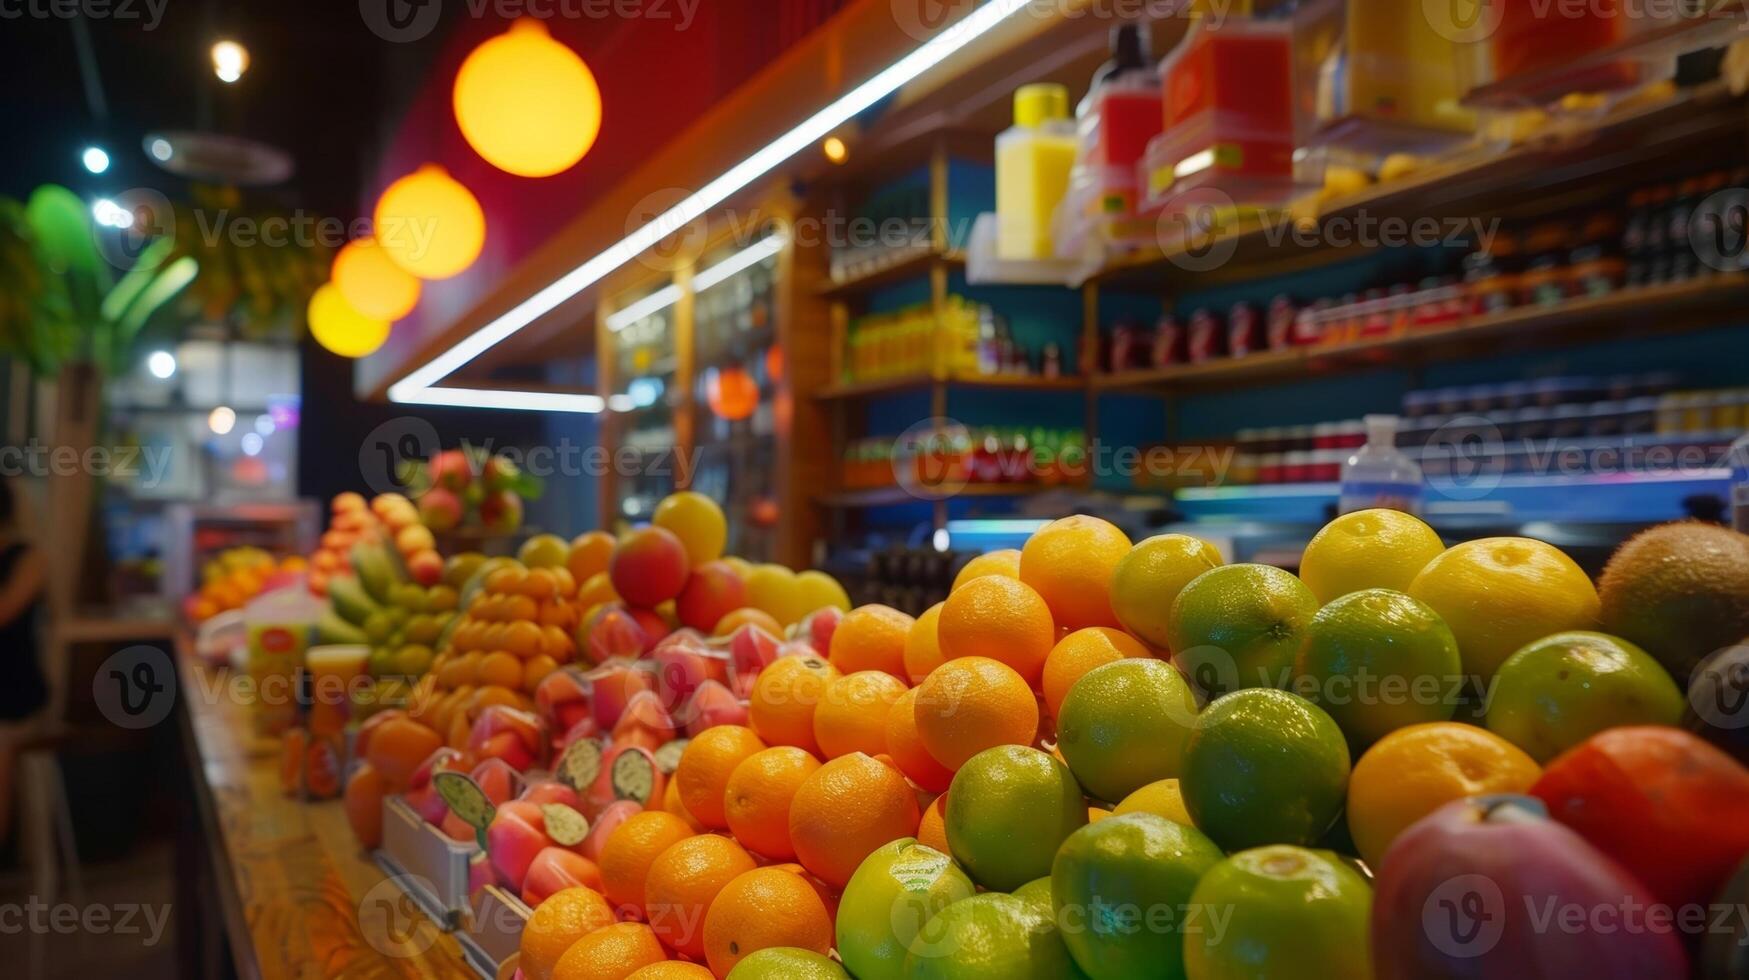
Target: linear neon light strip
747	258
526	401
417	387
650	305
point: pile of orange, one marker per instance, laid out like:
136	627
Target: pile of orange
517	628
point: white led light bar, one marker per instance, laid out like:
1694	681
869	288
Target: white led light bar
745	259
417	386
650	305
524	401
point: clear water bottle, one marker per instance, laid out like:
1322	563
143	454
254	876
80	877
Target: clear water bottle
1380	474
1740	484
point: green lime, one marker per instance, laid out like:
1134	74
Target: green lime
990	936
1146	581
894	893
1037	896
1121	888
1290	913
787	963
408	596
1561	690
413	660
1378	661
1124	724
1239	626
1008	809
1265	767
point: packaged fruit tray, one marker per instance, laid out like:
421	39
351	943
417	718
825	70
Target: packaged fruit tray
428	866
492	935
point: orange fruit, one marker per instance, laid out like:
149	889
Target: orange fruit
844	810
595	590
745	615
610	953
905	747
785	697
971	704
631	849
1070	563
500	669
705	767
923	645
671	803
684	880
1080	652
932	829
853	715
671	970
1001	618
871	638
758	797
590	553
1417	769
1005	562
762	909
565	917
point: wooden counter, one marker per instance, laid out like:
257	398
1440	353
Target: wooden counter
280	879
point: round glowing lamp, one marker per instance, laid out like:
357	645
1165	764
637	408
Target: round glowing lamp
527	103
342	329
372	283
731	393
429	224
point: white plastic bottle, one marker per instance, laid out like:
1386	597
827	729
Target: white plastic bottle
1380	474
1739	463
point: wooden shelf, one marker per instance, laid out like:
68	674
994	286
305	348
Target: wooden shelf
887	386
911	265
891	496
1575	163
1647	311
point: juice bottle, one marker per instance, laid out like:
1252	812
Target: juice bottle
1379	474
1122	112
1033	160
1229	113
1400	70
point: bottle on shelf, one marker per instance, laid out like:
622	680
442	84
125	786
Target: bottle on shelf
1381	475
1033	160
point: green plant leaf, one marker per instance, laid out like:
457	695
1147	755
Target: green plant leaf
61	228
164	286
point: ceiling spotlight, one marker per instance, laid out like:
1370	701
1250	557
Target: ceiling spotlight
835	149
221	420
230	61
160	149
95	159
110	214
162	364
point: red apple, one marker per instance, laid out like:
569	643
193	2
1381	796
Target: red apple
501	512
1491	887
451	471
649	567
440	510
713	591
425	567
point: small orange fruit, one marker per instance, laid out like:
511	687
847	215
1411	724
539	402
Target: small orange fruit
684	880
565	917
500	669
671	804
871	638
932	830
785	697
631	849
1001	618
1005	562
596	589
610	953
705	767
671	970
748	615
923	645
905	747
1080	652
761	909
971	704
758	799
853	716
590	553
1070	563
845	810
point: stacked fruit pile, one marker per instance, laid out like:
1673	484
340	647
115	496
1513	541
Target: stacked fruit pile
468	487
1153	763
233	577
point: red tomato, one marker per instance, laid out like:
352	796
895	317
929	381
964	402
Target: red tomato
1670	807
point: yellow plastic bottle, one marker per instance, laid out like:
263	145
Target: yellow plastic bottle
1404	72
1033	160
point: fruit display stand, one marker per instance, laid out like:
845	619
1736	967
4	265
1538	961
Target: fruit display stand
492	932
430	867
286	879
